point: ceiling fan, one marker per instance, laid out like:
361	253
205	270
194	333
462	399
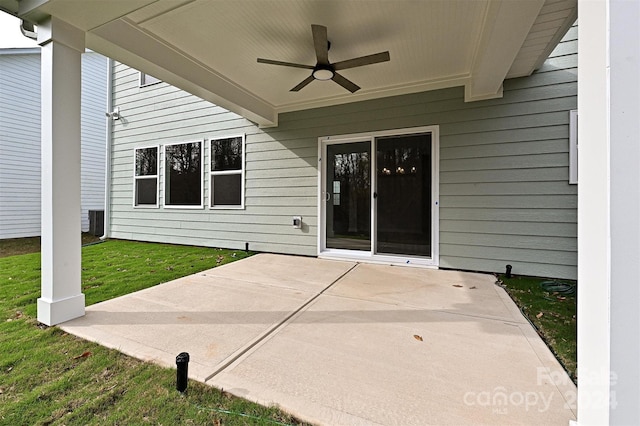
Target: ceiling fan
325	70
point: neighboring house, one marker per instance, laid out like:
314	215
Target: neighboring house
20	139
480	185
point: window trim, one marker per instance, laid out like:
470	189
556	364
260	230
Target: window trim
157	177
241	172
164	162
573	147
142	82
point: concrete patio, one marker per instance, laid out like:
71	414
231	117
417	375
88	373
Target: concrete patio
345	343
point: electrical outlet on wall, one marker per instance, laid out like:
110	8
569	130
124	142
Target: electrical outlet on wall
297	222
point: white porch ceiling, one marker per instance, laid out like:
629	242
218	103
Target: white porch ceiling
210	47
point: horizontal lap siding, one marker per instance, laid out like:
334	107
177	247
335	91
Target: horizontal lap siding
281	175
20	141
94	132
19	145
504	192
505	197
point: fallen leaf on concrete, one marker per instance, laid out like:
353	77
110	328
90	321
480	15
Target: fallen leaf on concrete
457	285
473	288
419	338
539	315
84	355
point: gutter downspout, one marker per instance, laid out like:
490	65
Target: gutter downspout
107	163
28	30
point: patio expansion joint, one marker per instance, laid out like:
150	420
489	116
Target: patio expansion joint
273	329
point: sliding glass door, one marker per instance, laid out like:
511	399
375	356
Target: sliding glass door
403	195
379	195
348	196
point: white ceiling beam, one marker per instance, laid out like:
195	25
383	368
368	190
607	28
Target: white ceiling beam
124	41
507	24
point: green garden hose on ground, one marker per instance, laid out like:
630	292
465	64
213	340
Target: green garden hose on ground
559	287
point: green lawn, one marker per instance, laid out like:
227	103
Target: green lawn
552	311
50	377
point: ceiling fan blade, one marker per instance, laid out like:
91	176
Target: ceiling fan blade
347	84
363	60
303	83
284	64
320	43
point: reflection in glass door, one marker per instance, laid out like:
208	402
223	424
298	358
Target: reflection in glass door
403	195
348	196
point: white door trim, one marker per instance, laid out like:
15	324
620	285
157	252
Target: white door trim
371	256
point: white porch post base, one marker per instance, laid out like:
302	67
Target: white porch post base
62	46
58	311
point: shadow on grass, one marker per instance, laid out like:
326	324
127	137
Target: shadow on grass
18	246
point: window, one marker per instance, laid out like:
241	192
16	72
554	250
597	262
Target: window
146	177
573	146
183	175
148	80
227	172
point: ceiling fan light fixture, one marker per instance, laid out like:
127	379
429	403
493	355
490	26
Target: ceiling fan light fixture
323	73
325	70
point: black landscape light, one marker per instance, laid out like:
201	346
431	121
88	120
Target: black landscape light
182	363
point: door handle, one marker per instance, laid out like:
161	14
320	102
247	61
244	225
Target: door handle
327	196
375	195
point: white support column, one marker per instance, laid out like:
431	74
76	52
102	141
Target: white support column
608	212
594	262
62	47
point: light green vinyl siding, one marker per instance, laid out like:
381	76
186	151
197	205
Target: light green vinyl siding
504	192
505	197
279	180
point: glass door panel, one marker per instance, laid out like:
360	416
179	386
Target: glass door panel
348	196
403	195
